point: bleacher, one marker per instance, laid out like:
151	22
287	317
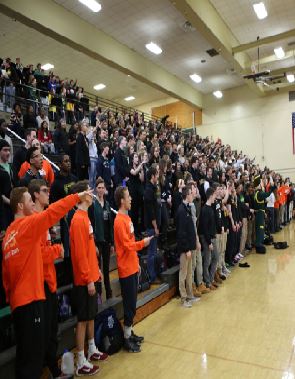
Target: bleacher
148	300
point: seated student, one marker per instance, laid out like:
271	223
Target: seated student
35	159
186	243
128	265
86	276
23	278
46	166
40	195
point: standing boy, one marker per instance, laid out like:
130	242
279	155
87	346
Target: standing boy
128	265
86	275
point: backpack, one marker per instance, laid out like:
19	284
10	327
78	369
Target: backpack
160	263
280	245
108	332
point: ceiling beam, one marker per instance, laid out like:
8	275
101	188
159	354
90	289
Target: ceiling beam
272	58
263	41
207	21
53	20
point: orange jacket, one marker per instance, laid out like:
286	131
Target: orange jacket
125	245
22	264
83	251
283	192
46	167
49	254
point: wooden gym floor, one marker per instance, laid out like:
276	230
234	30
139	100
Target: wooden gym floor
245	329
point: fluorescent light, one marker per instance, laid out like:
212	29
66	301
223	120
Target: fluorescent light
99	86
154	48
279	52
291	78
260	10
218	94
47	66
196	78
129	98
91	4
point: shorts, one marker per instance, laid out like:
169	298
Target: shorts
85	305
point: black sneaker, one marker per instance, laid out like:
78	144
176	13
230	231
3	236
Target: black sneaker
131	346
135	338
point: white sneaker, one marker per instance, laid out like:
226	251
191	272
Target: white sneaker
194	299
86	369
186	304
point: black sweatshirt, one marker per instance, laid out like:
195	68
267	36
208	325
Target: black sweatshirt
185	229
207	226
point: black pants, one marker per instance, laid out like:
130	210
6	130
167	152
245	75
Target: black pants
129	296
82	172
137	201
104	262
51	327
29	326
164	223
231	246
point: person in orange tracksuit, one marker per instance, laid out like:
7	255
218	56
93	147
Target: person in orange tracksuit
23	277
40	195
86	275
128	265
48	173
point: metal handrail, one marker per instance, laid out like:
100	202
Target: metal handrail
44	157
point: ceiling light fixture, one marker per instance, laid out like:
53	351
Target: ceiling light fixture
196	78
99	86
47	66
91	4
260	10
129	98
279	52
291	78
218	94
154	48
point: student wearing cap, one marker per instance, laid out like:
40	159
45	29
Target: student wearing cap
259	207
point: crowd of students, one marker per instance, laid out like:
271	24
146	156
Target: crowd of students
154	175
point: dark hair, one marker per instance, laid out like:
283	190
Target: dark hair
186	190
120	139
99	180
210	191
42	125
29	131
15	105
119	195
30	152
80	186
35	186
103	145
151	172
2	121
16	197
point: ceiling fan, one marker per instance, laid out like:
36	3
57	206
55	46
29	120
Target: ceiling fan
262	77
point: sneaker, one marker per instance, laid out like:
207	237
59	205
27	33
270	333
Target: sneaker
222	276
226	271
131	346
87	369
215	284
193	299
212	288
203	289
97	356
135	338
186	304
217	279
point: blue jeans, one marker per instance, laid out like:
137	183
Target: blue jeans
92	172
152	251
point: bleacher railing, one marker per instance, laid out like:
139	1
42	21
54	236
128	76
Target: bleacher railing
42	97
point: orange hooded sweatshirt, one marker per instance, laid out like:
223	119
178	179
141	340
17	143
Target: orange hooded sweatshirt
49	254
125	245
83	251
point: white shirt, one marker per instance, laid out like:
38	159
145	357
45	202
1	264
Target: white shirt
271	200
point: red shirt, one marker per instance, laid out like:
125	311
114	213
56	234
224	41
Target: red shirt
83	251
22	263
125	246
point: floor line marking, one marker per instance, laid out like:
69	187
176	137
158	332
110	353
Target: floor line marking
218	357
